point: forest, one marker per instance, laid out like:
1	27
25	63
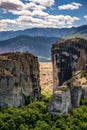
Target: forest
35	116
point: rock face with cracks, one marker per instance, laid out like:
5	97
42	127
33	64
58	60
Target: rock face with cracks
69	59
19	79
60	101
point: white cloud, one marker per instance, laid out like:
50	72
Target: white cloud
8	21
21	12
42	20
19	8
4	23
71	6
34	6
46	3
62	21
40	14
85	17
33	14
17	5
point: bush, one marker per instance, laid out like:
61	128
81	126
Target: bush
42	125
83	101
64	88
27	99
84	74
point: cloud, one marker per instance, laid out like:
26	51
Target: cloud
46	3
62	21
71	6
45	20
17	7
32	14
11	5
21	12
40	14
34	6
85	17
38	19
4	23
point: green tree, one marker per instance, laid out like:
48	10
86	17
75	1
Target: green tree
23	127
42	125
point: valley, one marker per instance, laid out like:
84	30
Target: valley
46	78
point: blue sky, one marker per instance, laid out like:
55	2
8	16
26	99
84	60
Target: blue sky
22	14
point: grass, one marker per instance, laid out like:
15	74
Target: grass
63	89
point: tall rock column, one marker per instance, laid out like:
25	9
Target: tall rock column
19	79
69	58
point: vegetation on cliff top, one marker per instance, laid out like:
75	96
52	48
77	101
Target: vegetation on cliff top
84	74
63	88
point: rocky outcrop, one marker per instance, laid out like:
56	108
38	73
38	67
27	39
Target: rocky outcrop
68	56
60	101
19	79
69	60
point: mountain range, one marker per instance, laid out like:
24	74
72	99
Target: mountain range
38	41
39	46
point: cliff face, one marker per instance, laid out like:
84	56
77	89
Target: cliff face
69	60
69	57
19	79
60	101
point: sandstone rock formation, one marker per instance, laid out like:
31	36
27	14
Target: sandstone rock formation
69	60
19	79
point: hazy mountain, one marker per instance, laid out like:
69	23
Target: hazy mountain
37	41
39	46
47	32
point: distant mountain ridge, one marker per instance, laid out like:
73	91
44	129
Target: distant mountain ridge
39	46
38	41
80	31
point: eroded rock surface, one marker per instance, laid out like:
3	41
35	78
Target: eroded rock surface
60	101
19	79
68	56
69	60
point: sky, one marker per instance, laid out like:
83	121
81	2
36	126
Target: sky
23	14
